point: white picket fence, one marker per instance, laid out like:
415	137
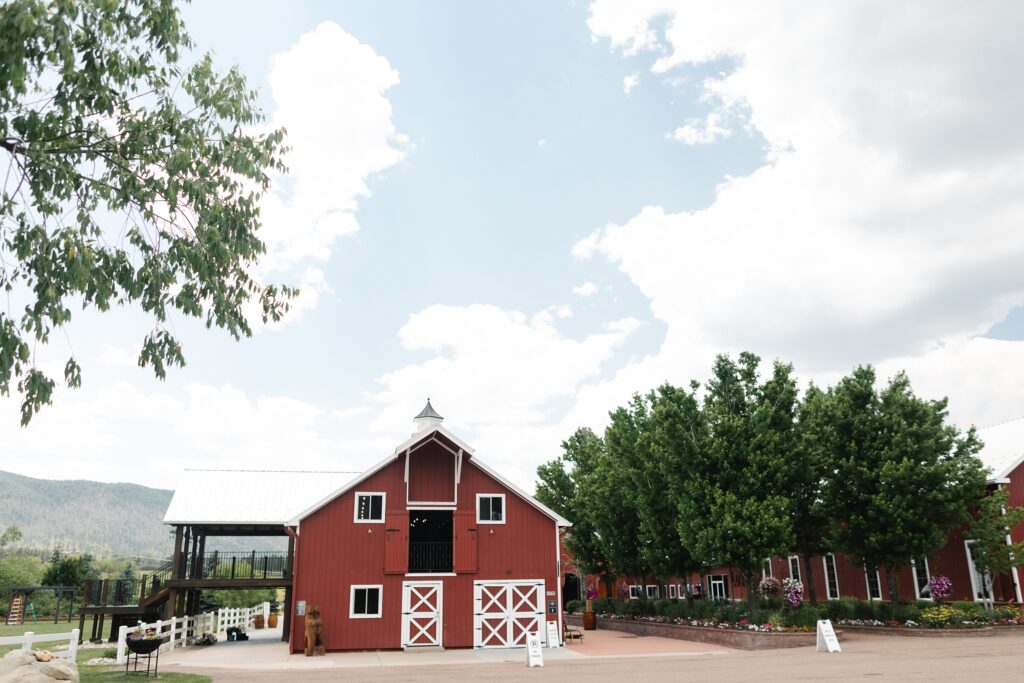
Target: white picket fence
28	639
182	631
239	616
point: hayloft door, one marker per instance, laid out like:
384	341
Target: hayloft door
421	614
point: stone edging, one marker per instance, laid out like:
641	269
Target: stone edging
735	638
922	632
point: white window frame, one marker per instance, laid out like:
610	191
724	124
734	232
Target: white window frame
635	591
352	600
657	590
504	510
684	590
383	507
766	569
867	584
928	575
976	576
722	580
790	560
672	591
835	569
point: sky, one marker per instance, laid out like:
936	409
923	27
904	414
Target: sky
529	211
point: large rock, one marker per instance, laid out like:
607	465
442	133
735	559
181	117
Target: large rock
21	666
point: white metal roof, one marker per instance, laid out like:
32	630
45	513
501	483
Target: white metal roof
1004	448
248	496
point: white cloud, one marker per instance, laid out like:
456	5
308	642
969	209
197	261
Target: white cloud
491	371
701	131
630	82
329	93
542	142
585	290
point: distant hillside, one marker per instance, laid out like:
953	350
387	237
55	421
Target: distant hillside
86	516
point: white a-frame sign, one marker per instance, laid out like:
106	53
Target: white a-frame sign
827	641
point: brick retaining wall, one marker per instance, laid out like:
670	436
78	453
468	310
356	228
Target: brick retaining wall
741	640
924	632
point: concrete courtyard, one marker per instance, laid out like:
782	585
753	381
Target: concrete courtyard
612	656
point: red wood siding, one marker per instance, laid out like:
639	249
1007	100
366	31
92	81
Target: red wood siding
431	474
465	542
396	542
333	553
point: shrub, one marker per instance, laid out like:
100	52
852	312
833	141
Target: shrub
110	653
883	610
804	616
905	613
863	609
838	609
573	606
969	607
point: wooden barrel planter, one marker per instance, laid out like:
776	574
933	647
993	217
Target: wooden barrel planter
258	621
272	620
589	621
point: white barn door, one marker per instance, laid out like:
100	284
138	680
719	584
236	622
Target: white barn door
505	612
421	614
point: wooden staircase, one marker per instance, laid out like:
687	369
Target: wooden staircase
15	611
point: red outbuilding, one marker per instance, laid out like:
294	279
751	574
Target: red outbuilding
429	548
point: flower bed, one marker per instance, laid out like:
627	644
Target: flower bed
737	635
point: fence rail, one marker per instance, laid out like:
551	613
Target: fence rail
28	639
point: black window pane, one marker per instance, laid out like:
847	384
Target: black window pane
360	598
485	509
372	600
496	510
375	508
364	502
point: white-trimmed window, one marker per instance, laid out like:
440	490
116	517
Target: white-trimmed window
794	567
684	590
766	569
365	601
831	576
635	592
922	578
672	591
874	583
369	507
718	586
652	591
977	580
490	508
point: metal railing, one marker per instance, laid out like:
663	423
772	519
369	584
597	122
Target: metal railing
239	565
430	556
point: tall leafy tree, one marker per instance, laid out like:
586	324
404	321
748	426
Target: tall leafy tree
673	434
69	570
564	486
808	473
734	508
613	491
990	530
11	534
131	179
902	478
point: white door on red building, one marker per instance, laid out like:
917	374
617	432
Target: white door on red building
421	614
505	612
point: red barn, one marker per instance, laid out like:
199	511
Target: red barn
429	548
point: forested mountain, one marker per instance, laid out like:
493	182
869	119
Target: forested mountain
86	516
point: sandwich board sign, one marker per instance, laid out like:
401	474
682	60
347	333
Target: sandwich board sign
827	641
553	634
534	657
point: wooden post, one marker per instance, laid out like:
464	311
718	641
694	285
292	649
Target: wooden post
288	565
202	557
172	595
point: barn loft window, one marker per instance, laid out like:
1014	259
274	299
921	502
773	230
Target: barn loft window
490	508
365	602
369	507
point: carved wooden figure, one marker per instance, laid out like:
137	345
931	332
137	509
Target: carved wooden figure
314	632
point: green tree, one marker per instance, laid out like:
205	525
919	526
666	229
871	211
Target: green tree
734	507
69	570
19	570
611	491
673	435
131	179
990	530
808	474
902	477
564	486
11	534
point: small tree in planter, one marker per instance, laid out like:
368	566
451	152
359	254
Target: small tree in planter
993	556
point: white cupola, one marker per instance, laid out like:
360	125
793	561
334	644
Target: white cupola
427	418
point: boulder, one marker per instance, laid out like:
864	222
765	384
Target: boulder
22	666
